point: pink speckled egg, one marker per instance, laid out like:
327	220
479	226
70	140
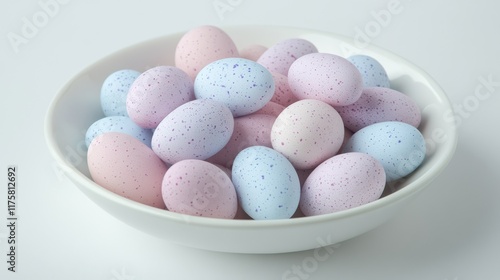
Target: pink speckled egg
271	108
283	95
308	132
250	130
378	104
124	165
199	188
252	52
326	77
201	46
156	93
197	129
280	56
342	182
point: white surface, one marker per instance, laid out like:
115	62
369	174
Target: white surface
449	232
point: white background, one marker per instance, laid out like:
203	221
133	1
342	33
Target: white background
451	231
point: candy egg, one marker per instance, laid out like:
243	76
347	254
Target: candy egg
283	95
399	146
342	182
308	132
271	108
118	124
378	104
124	165
114	92
281	55
266	183
244	86
195	130
199	188
373	73
156	92
201	46
326	77
252	52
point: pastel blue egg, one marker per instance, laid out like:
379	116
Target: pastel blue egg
244	86
372	72
398	146
114	92
118	124
266	183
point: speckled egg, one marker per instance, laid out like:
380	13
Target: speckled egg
399	146
373	73
271	108
114	92
266	183
156	93
195	130
201	46
118	124
250	130
122	164
283	95
199	188
308	132
342	182
252	52
244	86
378	104
281	55
326	77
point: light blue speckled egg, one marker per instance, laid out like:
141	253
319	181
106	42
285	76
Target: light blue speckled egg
266	183
373	73
399	146
114	92
244	86
118	124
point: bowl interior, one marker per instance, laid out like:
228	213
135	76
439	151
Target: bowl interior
77	106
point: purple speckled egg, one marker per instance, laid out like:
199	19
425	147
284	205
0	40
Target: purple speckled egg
326	77
281	55
378	104
199	188
156	93
201	46
342	182
195	130
308	132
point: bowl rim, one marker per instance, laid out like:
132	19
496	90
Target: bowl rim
417	185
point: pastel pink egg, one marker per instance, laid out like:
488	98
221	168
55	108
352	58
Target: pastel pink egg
378	104
199	188
271	108
156	93
124	165
283	95
281	55
201	46
342	182
326	77
250	130
308	132
253	52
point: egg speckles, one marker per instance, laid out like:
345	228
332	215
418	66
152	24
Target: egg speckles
195	130
373	73
199	188
156	92
342	182
266	183
326	77
244	86
114	92
308	132
118	124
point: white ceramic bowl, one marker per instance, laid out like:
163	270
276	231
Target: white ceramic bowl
77	106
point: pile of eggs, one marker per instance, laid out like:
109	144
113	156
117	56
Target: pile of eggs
258	133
